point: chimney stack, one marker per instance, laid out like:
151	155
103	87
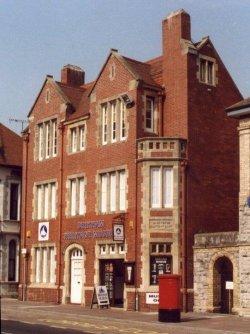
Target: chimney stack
72	75
177	25
175	28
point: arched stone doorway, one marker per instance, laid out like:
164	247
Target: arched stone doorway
74	275
222	273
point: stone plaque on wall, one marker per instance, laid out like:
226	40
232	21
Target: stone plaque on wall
159	224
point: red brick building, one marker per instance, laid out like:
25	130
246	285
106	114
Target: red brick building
146	145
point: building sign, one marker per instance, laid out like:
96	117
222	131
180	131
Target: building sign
87	232
159	265
161	224
88	235
152	298
229	285
102	295
43	231
118	232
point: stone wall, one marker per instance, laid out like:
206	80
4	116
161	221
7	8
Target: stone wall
244	216
208	248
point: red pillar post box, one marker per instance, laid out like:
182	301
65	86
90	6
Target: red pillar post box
169	298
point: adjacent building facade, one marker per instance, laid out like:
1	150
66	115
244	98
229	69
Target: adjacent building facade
146	148
222	260
11	146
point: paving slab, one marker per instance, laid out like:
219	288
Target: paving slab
115	320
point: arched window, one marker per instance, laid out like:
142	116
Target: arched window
12	261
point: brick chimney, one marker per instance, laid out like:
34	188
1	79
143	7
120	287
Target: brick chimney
177	25
72	75
175	28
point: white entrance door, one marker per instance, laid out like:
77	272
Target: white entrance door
76	276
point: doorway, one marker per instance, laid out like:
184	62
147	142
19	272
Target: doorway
76	275
112	275
222	273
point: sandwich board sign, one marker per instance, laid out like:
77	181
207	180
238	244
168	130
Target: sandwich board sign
100	296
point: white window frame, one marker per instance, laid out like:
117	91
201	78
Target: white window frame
162	198
82	137
104	193
122	190
155	183
40	141
122	121
54	138
104	124
46	200
112	192
77	199
47	139
44	265
113	122
73	140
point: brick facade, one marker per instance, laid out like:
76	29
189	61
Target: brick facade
186	112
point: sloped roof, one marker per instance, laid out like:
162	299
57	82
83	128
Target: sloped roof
139	70
156	69
57	87
74	94
11	147
83	105
239	105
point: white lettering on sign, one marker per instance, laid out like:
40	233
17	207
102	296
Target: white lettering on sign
229	285
152	298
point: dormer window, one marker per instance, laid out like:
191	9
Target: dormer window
207	71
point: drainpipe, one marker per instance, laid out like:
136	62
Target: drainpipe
61	129
136	233
26	140
184	235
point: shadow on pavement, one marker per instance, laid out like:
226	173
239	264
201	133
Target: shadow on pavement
17	327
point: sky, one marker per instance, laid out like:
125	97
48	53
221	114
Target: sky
39	37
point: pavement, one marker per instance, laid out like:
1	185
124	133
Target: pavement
35	318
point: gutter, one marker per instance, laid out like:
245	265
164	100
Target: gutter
23	235
61	128
184	235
